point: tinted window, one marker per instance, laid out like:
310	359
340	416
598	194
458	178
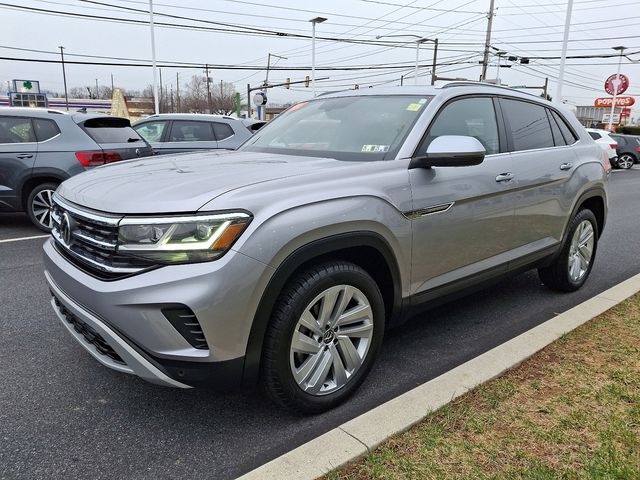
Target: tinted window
528	123
555	129
594	135
472	117
568	134
45	129
16	130
185	131
111	130
151	131
222	130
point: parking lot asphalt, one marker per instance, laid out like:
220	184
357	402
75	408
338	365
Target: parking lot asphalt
62	415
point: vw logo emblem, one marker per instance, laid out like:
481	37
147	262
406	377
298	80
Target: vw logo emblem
65	229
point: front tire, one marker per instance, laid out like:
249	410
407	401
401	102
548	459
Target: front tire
40	204
325	333
570	270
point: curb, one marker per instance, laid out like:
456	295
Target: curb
358	436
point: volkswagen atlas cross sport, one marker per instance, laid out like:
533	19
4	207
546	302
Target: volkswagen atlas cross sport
282	264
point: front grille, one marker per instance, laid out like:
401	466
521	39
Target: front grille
90	335
185	321
89	241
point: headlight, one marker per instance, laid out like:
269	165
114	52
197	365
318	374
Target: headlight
194	238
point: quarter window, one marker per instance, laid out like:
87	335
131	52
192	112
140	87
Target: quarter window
557	134
222	131
568	134
472	117
151	131
528	123
45	129
16	130
185	131
595	136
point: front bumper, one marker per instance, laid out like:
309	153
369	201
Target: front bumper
127	314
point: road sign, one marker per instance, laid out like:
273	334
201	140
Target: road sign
606	116
620	102
623	84
260	99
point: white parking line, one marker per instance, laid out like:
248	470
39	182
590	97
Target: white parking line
7	240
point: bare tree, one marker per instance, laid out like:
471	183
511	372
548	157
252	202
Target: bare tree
224	98
195	97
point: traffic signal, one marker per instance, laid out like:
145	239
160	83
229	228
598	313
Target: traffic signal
306	81
356	87
287	84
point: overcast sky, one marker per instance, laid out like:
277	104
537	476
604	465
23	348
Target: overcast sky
530	28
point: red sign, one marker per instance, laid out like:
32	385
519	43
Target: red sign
623	84
620	102
626	112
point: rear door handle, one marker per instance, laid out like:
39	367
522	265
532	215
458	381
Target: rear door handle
504	177
566	166
25	155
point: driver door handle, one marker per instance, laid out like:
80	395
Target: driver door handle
504	177
25	155
566	166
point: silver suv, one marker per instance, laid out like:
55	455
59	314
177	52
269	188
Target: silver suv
285	262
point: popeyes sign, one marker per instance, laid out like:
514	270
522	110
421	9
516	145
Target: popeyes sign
620	102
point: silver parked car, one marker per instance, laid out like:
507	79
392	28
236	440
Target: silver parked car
285	262
187	132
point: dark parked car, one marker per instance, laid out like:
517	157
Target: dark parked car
628	150
186	132
40	148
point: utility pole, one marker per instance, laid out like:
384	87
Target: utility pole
563	55
248	100
112	84
206	72
160	102
487	43
546	85
177	92
435	58
153	60
64	79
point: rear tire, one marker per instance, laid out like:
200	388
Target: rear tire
324	335
39	206
625	161
571	268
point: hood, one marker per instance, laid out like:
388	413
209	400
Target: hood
181	183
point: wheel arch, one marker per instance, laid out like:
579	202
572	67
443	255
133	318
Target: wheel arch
34	180
369	250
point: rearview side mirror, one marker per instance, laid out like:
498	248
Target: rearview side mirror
451	151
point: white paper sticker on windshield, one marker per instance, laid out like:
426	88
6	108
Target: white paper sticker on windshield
375	148
422	101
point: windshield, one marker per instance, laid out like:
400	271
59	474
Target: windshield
345	128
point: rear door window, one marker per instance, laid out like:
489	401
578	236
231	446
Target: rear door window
111	130
472	117
45	129
16	130
188	131
528	124
222	130
152	132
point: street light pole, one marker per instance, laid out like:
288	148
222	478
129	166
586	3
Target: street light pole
415	71
156	100
64	79
615	85
418	42
313	51
563	55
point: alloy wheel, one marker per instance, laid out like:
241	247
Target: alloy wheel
581	250
331	340
42	206
625	161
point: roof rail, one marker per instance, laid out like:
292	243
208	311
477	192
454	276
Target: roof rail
466	83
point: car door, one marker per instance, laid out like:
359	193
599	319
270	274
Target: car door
463	216
543	164
18	152
189	135
154	132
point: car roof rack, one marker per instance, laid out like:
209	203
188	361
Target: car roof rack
466	83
